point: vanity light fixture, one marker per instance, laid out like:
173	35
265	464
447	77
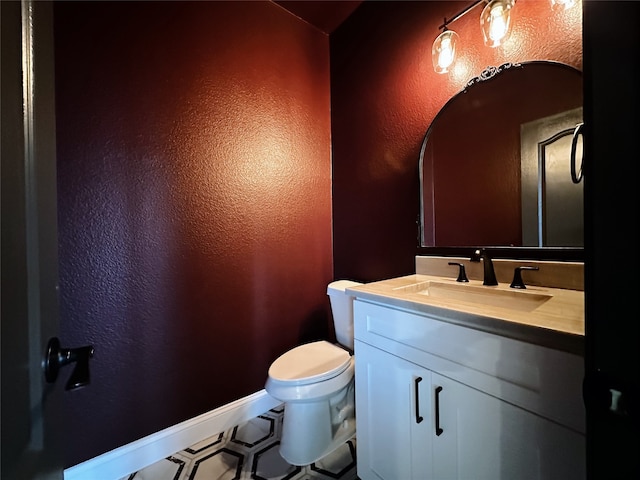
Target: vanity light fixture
495	21
443	52
562	4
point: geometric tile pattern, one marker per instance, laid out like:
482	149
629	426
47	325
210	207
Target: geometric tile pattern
249	452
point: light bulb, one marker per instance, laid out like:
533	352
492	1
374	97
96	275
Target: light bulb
562	4
443	52
495	22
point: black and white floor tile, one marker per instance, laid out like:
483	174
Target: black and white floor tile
248	451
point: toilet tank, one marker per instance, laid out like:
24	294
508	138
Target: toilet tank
342	311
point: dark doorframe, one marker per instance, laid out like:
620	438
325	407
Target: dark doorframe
611	40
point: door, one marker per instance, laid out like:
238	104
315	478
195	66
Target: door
392	423
30	406
612	173
482	437
552	201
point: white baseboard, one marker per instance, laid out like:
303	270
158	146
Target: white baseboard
134	456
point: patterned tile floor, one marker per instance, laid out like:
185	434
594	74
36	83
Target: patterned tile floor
248	451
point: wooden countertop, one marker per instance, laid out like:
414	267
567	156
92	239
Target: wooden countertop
554	318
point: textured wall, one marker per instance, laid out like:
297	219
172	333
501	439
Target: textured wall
384	96
194	205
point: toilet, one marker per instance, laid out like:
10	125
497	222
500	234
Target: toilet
315	381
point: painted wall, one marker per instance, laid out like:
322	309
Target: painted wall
195	183
194	205
384	96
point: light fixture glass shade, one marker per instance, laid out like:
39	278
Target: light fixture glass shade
495	22
443	52
562	4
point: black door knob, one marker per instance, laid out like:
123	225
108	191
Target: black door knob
56	357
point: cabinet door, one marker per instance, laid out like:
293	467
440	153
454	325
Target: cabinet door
484	437
393	422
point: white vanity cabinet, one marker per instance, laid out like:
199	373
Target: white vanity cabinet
441	401
483	437
393	430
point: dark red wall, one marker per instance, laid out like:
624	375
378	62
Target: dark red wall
325	15
194	205
195	185
384	96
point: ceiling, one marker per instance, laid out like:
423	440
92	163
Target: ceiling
325	15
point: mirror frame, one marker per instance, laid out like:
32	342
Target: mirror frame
498	251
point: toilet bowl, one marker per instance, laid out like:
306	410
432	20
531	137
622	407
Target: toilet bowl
315	381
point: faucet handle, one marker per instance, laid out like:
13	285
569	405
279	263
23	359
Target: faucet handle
517	277
462	274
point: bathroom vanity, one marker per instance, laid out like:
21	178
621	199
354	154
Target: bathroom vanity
460	380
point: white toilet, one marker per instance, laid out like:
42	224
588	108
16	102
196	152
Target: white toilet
316	383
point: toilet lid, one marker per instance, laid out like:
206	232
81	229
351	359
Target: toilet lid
310	363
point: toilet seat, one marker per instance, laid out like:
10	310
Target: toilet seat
310	363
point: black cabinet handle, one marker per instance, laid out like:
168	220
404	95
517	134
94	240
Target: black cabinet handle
417	381
437	409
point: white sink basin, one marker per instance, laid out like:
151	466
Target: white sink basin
512	299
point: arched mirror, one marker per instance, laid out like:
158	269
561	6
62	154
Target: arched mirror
496	162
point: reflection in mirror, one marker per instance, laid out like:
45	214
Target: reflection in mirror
495	164
552	202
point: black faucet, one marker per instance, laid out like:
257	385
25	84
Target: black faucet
489	272
517	281
462	275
